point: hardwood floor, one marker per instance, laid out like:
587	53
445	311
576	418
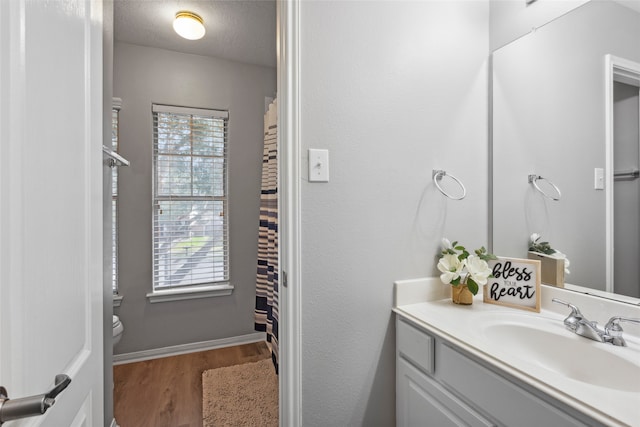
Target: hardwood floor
167	392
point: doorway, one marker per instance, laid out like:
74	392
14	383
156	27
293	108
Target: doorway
623	183
287	18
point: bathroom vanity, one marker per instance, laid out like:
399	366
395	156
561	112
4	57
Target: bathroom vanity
488	365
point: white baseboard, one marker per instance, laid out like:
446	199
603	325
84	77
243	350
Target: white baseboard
156	353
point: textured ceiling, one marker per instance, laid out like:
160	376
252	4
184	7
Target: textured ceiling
238	30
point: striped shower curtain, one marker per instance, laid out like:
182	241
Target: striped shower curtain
266	312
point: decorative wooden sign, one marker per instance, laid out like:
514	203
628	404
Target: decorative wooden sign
515	283
552	269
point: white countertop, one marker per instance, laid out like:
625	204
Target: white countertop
427	303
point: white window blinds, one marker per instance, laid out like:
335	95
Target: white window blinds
190	229
115	111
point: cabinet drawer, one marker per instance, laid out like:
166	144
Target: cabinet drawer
505	401
415	346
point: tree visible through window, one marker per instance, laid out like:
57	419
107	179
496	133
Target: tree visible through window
190	239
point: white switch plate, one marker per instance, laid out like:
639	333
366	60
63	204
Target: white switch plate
598	179
318	165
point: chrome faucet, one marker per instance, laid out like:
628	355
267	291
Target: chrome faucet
612	332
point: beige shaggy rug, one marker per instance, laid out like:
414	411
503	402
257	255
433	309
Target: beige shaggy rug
240	395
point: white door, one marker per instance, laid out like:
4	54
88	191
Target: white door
51	206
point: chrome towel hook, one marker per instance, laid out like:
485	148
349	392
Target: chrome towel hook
438	174
533	179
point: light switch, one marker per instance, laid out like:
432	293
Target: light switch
598	179
318	165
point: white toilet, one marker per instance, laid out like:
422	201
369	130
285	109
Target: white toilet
117	330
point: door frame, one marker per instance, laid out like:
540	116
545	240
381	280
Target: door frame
289	127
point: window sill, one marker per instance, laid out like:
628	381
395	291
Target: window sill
190	293
117	300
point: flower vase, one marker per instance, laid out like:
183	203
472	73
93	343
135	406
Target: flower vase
460	294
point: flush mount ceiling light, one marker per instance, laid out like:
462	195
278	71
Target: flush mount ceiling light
189	25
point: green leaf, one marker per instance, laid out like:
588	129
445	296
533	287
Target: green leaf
459	248
488	257
456	281
454	243
472	285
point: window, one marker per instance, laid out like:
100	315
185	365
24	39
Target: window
115	116
190	237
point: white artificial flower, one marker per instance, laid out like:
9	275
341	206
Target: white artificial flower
534	238
450	267
446	244
567	263
478	269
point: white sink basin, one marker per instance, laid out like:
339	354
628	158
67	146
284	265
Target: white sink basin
545	342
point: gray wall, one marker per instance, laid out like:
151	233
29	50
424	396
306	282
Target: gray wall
393	89
143	76
549	119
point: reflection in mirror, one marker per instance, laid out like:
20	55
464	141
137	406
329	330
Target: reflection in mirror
623	202
549	119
